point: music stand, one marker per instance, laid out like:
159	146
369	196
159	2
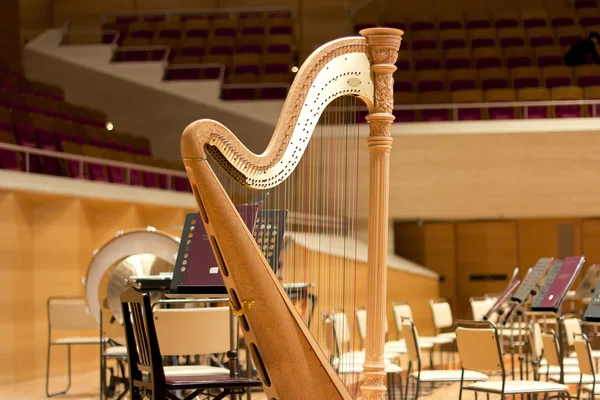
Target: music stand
587	287
553	294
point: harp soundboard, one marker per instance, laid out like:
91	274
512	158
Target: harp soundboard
532	281
558	282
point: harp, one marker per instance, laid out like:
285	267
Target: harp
287	355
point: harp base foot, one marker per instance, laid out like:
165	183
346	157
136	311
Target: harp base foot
373	387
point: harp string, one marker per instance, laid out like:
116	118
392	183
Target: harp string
321	232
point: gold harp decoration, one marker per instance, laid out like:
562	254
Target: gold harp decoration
289	360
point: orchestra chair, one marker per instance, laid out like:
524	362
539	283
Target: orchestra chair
68	314
432	376
480	349
347	362
442	319
393	346
539	363
572	327
552	353
119	355
586	365
480	306
198	335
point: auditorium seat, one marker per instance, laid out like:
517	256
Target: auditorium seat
587	75
196	28
488	57
224	27
458	58
72	167
588	17
585	3
518	57
453	39
541	36
468	96
567	93
569	35
557	76
478	19
534	94
98	172
404	82
450	21
404	61
534	18
482	37
500	96
493	78
438	97
525	77
405	98
422	22
431	81
512	37
547	56
424	40
462	79
506	19
427	60
562	17
5	119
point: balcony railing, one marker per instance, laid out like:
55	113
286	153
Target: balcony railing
27	152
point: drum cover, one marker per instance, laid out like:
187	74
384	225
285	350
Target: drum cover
134	253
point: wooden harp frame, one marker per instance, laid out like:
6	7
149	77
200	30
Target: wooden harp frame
289	361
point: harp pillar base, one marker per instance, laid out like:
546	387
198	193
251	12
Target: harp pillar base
373	387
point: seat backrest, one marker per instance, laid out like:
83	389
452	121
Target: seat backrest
479	307
479	347
187	331
442	314
536	342
361	323
70	314
572	328
341	330
411	337
143	351
401	310
584	355
551	349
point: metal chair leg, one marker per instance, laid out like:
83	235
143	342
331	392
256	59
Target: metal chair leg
48	394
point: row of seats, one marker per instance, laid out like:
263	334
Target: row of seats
487	57
45	132
490	37
496	78
476	19
452	104
215	15
11	160
230	27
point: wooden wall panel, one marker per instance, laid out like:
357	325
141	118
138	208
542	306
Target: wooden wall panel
47	246
409	241
483	248
10	28
17	296
440	256
590	239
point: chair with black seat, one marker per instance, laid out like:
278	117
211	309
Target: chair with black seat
146	371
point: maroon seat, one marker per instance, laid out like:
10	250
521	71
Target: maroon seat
586	4
457	59
9	160
518	57
462	79
435	99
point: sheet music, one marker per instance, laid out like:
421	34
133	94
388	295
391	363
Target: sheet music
557	285
532	280
512	285
592	313
589	283
552	273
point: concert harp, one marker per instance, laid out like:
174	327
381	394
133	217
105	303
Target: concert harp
288	357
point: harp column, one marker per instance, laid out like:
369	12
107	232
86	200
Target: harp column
383	45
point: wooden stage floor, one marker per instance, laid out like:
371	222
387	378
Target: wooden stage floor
85	386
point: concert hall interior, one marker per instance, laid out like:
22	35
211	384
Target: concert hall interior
299	199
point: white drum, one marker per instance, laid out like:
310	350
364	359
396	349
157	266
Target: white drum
134	253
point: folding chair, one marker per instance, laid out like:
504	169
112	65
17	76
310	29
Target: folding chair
390	347
540	365
68	314
146	371
414	356
479	349
442	319
552	355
